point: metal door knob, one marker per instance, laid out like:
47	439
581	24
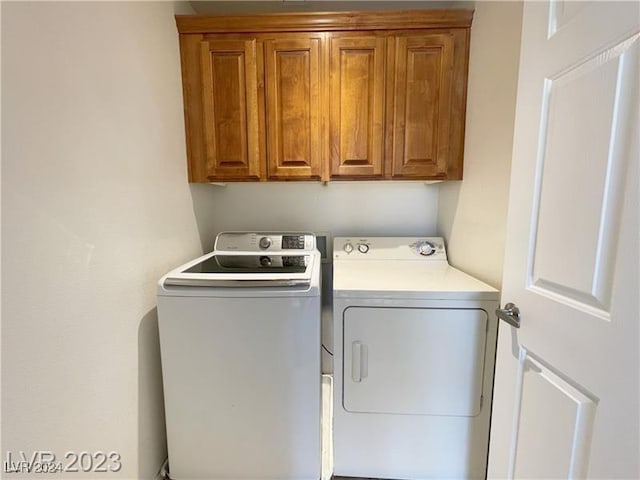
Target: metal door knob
510	314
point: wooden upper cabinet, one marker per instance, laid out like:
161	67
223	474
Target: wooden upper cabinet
320	96
293	106
356	106
428	105
230	108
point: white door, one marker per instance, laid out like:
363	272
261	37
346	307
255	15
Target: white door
566	401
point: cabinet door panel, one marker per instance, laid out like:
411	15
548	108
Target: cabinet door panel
356	106
293	107
230	98
423	105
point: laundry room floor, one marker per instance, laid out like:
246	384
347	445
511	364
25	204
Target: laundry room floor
327	432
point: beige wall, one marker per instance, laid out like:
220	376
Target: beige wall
95	208
472	213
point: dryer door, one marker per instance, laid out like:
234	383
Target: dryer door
421	361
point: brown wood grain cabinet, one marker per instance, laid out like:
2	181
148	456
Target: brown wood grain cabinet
356	106
340	96
293	106
230	108
427	106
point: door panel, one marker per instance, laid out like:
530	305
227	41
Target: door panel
293	106
589	143
423	96
356	105
567	382
413	361
230	97
562	434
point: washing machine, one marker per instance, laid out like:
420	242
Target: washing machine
414	353
240	349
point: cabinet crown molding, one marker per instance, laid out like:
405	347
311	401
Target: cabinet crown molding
325	21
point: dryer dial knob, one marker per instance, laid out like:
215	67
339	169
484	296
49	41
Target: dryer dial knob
426	248
348	248
363	248
265	242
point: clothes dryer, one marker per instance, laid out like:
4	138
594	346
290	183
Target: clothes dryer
414	353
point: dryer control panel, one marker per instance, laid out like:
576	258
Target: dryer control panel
389	248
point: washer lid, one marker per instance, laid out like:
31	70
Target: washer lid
407	279
244	270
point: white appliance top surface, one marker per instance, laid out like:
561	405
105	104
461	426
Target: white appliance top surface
179	283
394	268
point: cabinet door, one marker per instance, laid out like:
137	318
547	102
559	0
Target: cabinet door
230	108
423	105
356	98
293	107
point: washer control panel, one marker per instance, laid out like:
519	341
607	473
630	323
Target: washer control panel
389	248
248	242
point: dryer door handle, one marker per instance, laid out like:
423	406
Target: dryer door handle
359	361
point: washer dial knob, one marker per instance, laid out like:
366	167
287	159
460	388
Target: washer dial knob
348	247
426	249
363	248
265	242
265	261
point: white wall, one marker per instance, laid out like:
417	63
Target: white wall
472	213
348	208
95	208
